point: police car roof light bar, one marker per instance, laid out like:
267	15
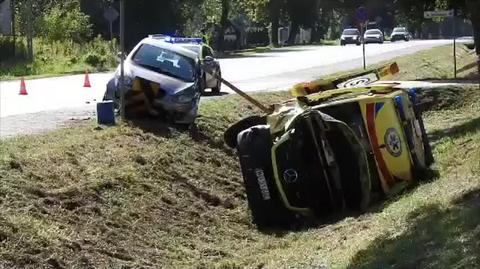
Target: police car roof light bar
158	36
174	40
171	39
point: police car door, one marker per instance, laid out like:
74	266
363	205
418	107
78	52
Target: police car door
210	66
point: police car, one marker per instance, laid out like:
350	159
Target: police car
164	78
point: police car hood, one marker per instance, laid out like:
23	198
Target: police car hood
170	85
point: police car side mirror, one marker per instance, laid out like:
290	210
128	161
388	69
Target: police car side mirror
121	55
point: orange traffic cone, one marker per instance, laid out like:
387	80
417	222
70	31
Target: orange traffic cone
23	88
86	84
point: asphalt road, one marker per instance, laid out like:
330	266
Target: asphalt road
52	102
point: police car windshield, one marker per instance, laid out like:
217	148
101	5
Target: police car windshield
165	61
399	30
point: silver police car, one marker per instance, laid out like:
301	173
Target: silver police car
161	79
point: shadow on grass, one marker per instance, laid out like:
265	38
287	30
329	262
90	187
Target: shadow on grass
434	238
259	53
378	204
237	55
471	78
468	67
152	125
456	131
161	128
212	94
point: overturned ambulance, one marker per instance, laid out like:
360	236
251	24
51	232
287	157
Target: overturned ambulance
331	151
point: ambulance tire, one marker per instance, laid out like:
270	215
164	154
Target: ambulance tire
231	134
254	151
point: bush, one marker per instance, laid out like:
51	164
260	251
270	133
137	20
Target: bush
60	25
7	48
95	59
60	57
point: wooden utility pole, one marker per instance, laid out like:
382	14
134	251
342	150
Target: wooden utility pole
454	20
30	29
12	6
122	59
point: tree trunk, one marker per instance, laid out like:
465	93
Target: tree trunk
474	7
30	29
476	34
223	24
324	21
293	33
274	8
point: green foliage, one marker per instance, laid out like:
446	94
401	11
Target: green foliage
38	9
59	24
94	59
60	57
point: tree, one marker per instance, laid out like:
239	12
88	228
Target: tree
274	8
474	7
411	12
302	13
223	23
60	24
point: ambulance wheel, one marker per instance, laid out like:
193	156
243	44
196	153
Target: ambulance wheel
231	134
267	209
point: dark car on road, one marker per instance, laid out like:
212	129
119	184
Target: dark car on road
399	33
350	36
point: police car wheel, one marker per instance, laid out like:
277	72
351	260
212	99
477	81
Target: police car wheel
204	84
254	151
218	87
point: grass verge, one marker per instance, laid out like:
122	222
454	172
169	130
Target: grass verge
437	63
154	197
138	197
265	49
434	64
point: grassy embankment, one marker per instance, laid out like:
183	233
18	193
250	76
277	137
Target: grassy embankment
61	58
89	197
437	64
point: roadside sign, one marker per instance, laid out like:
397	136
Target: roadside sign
438	14
361	15
111	14
362	19
446	14
5	17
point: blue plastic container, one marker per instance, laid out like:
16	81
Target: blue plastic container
106	113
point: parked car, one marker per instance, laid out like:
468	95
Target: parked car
373	36
331	151
350	36
161	79
400	33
